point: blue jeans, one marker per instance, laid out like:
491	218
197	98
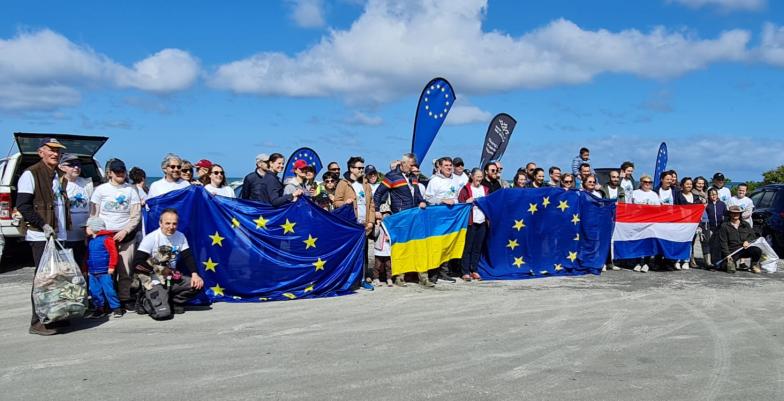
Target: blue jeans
102	286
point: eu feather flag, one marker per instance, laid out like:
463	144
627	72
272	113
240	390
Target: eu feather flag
308	155
661	164
422	239
435	102
248	251
545	232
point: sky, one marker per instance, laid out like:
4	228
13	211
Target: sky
226	81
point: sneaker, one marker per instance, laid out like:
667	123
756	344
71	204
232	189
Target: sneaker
756	269
466	277
376	282
637	268
614	267
400	281
685	266
178	309
118	312
446	278
96	314
604	268
389	283
41	329
677	266
731	266
644	269
367	286
425	282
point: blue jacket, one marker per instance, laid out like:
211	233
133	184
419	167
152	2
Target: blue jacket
252	186
101	253
396	187
271	190
716	212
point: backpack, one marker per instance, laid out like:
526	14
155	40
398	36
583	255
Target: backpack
155	302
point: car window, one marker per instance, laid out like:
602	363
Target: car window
756	197
767	200
77	144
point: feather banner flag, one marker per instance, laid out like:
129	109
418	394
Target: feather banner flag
435	102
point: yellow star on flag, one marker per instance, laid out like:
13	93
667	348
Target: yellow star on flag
310	242
234	222
558	267
546	201
575	218
518	262
289	295
563	205
519	224
263	299
577	237
308	288
217	290
216	239
532	208
209	265
319	264
261	222
572	256
288	227
512	244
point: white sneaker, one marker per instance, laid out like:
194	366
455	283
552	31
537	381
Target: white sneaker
685	265
644	269
677	265
637	268
604	268
614	267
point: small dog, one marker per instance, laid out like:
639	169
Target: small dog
161	271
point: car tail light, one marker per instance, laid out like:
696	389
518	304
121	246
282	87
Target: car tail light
5	206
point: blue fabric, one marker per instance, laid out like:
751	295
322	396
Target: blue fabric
550	234
652	247
97	255
434	104
399	193
308	155
102	289
661	165
264	264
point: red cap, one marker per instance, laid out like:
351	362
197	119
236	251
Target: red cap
203	163
299	164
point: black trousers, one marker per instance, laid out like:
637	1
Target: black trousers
38	251
475	238
751	252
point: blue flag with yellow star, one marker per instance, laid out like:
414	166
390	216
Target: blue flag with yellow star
545	232
249	251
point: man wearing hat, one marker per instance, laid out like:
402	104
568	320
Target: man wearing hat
459	175
298	181
203	167
735	234
43	202
718	183
253	183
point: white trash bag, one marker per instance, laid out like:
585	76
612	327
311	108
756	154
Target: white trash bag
769	260
59	288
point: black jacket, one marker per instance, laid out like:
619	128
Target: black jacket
273	191
252	186
731	239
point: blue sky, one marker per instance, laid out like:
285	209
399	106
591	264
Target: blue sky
228	81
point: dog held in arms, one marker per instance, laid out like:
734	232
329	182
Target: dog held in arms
161	273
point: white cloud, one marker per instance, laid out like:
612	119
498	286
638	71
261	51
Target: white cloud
771	49
725	5
465	113
308	13
393	48
45	70
360	118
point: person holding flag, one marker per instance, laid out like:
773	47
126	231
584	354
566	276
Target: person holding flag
735	238
442	189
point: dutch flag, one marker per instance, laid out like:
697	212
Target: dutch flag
649	230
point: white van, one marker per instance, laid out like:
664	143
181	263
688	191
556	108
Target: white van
12	227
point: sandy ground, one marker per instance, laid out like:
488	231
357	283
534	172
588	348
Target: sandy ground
688	335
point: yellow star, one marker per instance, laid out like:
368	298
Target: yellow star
532	208
217	290
263	299
209	265
310	242
572	256
288	227
319	264
518	262
289	295
558	267
546	201
234	222
577	237
261	222
512	244
519	224
563	205
308	288
575	218
216	239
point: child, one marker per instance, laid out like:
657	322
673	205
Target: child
101	261
383	262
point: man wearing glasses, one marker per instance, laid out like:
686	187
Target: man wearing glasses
171	181
491	179
334	167
501	181
354	190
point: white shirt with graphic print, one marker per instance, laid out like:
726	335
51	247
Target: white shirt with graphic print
115	203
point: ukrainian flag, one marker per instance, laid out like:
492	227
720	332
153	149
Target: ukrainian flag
423	239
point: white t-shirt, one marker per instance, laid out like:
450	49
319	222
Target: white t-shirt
612	193
627	186
641	197
689	197
162	186
222	191
156	239
115	202
142	195
460	180
477	215
373	187
724	194
665	195
361	201
746	206
26	185
79	194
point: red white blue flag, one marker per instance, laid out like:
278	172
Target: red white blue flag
649	230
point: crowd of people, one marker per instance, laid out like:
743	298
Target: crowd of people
102	224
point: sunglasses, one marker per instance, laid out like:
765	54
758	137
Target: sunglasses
187	172
73	165
359	167
568	181
647	182
492	171
174	166
334	169
328	181
217	173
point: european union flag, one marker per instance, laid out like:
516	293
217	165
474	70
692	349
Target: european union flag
308	155
545	232
434	104
661	164
248	251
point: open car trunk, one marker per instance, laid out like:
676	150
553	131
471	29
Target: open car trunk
80	145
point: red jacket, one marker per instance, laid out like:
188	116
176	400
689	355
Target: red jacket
465	194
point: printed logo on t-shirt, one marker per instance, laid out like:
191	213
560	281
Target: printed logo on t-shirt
120	202
78	201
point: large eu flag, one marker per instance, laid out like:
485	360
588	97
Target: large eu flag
248	251
545	232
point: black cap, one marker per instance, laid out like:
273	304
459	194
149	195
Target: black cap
458	162
69	158
718	177
370	169
117	166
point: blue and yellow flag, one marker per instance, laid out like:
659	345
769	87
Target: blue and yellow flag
423	239
545	232
249	251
